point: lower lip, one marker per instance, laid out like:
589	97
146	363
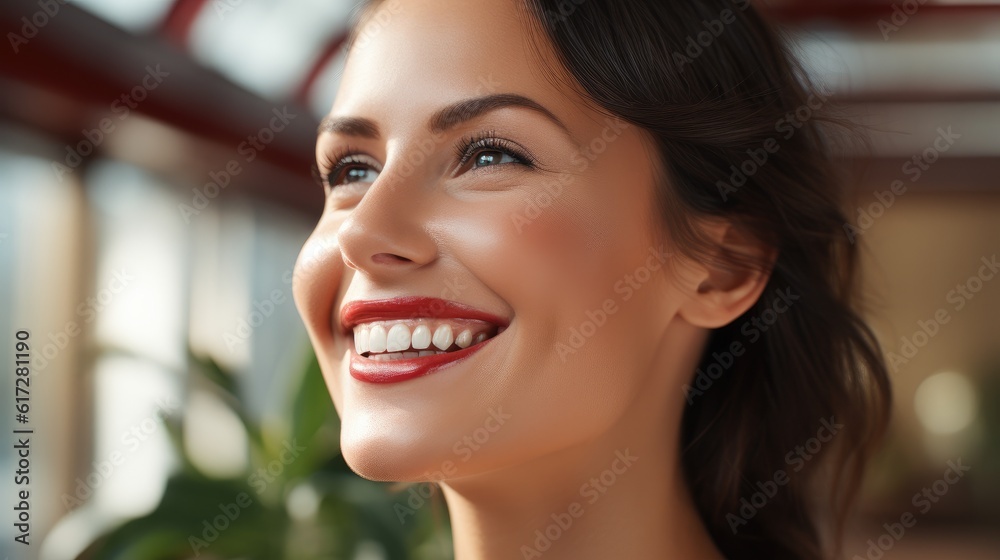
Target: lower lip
393	371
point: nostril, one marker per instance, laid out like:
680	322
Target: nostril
388	258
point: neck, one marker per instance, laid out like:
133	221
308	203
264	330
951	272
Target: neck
622	495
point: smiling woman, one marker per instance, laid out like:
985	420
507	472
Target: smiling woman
619	250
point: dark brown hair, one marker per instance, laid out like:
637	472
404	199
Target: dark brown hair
742	136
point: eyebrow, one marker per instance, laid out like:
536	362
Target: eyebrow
445	118
349	126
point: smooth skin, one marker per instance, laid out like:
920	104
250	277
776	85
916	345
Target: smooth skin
537	423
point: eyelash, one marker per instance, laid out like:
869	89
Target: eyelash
336	163
464	152
470	145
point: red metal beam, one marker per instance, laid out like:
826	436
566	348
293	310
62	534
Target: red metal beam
176	27
82	57
329	52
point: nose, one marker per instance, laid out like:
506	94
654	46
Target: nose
386	234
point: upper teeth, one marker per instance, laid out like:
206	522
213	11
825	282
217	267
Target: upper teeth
395	337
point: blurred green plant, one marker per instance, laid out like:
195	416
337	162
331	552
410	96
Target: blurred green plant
296	500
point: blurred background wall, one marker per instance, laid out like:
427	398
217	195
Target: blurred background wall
155	188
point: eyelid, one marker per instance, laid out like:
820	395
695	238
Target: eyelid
490	140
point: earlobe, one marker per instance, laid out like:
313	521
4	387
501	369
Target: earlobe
721	288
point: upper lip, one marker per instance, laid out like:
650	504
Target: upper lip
410	307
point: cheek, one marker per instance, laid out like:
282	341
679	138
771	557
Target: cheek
317	283
562	244
529	245
589	264
556	265
317	280
520	253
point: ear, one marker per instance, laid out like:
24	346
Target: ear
718	292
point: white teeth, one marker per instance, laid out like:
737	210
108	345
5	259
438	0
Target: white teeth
364	339
443	337
377	339
399	342
398	338
361	340
421	337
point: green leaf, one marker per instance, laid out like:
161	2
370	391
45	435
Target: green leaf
197	516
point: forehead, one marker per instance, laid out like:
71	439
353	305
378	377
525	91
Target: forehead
412	56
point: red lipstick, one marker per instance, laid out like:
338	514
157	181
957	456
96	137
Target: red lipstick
408	308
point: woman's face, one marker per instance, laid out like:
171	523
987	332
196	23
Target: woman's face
459	169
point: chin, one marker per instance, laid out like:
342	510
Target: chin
390	452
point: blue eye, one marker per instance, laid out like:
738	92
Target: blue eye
487	158
357	174
489	151
352	169
472	153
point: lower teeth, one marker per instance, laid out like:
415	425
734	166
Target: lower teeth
403	355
